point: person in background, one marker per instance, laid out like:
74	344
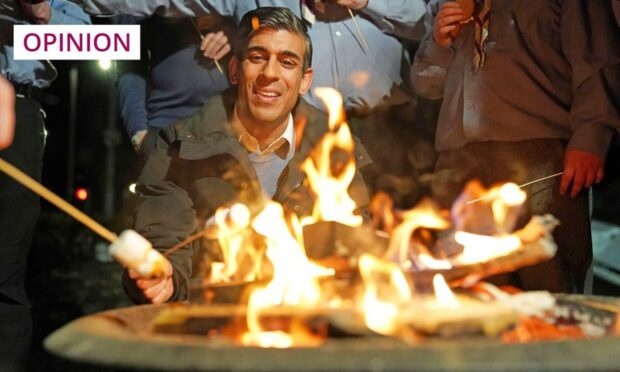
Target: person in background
245	146
171	81
368	67
525	96
19	208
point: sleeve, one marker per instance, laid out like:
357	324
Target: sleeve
132	102
164	214
67	13
591	45
166	8
132	88
431	62
401	18
594	116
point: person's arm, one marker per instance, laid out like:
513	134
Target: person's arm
7	113
436	52
132	89
394	17
132	105
164	216
593	120
591	48
166	8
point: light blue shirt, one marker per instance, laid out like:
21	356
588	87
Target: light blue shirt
38	73
366	79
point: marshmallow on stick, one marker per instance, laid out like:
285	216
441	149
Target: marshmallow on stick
135	252
130	248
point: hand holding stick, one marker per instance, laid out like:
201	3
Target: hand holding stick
130	248
202	38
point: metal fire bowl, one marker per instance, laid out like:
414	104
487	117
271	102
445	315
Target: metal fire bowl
122	339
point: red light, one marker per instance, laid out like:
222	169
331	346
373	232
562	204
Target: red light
81	194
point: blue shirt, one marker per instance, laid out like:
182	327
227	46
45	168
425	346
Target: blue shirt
38	73
172	81
366	79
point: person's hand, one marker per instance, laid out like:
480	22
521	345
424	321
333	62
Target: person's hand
353	4
137	140
447	23
582	169
39	12
215	45
157	290
7	113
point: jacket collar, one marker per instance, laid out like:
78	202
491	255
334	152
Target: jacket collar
201	133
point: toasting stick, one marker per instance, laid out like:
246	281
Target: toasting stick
359	31
130	248
520	186
232	219
217	63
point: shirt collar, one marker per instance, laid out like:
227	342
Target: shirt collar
282	145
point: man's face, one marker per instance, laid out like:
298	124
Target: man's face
270	77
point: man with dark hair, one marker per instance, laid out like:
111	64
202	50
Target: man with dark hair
245	145
363	48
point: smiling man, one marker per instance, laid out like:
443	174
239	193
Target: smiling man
245	145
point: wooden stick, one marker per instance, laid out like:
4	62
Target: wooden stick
46	194
185	242
359	31
217	64
520	186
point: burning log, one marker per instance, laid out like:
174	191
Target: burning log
469	316
536	246
327	238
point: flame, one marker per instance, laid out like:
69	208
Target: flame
432	263
233	237
385	290
507	206
480	242
480	248
333	202
443	294
425	214
295	279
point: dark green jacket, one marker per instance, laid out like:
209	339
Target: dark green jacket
199	165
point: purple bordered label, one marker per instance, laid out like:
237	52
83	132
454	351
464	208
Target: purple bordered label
76	42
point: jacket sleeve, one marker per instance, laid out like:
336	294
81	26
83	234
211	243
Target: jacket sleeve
165	215
431	62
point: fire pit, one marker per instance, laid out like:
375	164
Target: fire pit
124	338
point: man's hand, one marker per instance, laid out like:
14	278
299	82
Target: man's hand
137	140
39	12
157	290
582	169
447	23
7	113
215	45
353	4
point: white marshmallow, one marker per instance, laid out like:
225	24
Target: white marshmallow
135	252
